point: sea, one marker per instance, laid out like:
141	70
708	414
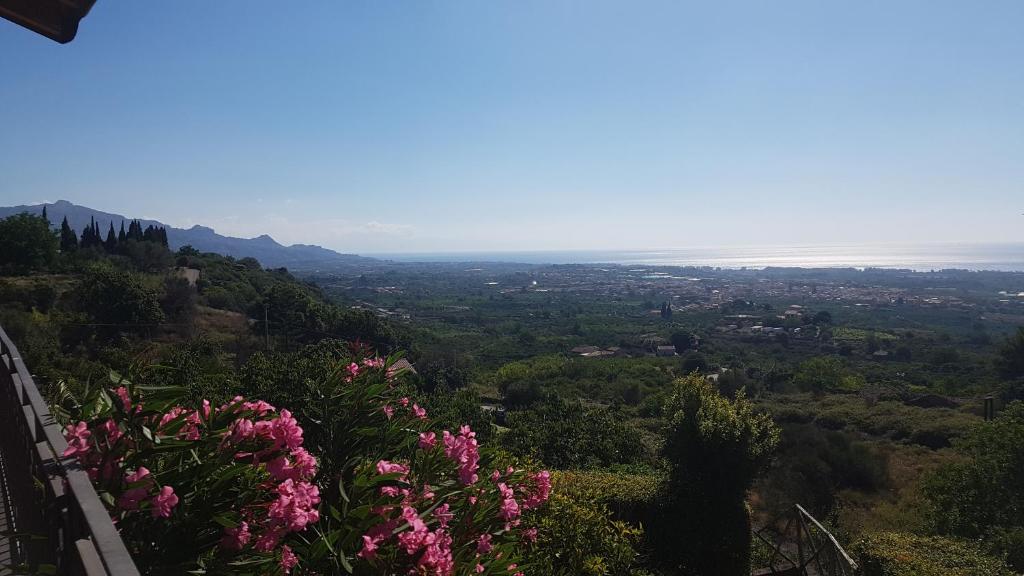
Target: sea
1007	257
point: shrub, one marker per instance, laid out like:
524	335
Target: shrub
231	489
715	447
577	532
900	554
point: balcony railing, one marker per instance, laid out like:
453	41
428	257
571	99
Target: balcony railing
53	515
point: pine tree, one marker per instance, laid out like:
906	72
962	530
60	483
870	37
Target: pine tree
44	215
121	236
111	243
68	238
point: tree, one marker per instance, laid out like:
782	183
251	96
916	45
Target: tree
822	317
26	244
110	244
825	374
68	238
1011	356
982	496
119	299
682	341
694	362
715	448
122	236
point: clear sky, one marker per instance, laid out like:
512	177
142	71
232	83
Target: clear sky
516	125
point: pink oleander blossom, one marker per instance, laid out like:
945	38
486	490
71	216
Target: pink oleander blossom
388	410
295	506
462	449
288	559
483	544
164	502
427	440
419	412
77	436
139	483
236	538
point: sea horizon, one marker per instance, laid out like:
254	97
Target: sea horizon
921	257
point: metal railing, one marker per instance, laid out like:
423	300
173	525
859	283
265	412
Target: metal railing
54	516
804	547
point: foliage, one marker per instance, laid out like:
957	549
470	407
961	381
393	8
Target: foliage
982	497
901	554
825	374
208	488
567	435
577	534
715	448
229	490
119	299
26	244
1011	356
812	466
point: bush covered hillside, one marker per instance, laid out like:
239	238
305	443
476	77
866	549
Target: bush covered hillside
417	419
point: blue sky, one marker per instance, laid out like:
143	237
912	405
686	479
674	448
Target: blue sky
499	125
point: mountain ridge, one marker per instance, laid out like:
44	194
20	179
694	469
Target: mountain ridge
269	252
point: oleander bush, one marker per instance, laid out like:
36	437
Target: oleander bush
356	480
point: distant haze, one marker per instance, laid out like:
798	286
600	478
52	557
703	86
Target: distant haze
530	125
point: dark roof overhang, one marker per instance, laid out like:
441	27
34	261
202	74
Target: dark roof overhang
55	19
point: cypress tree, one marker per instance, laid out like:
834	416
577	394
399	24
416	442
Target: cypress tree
121	236
44	215
88	234
111	243
68	238
163	236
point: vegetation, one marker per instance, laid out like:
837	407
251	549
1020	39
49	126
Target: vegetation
867	415
715	449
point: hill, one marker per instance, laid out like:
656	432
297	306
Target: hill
268	251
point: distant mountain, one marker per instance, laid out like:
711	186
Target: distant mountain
268	251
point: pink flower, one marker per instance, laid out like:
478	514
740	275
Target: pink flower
164	502
530	534
419	412
479	568
77	436
268	540
428	440
404	401
139	482
111	431
385	467
388	411
463	450
126	399
541	490
288	559
483	544
353	370
295	506
171	415
242	430
443	516
286	431
260	407
369	548
236	538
